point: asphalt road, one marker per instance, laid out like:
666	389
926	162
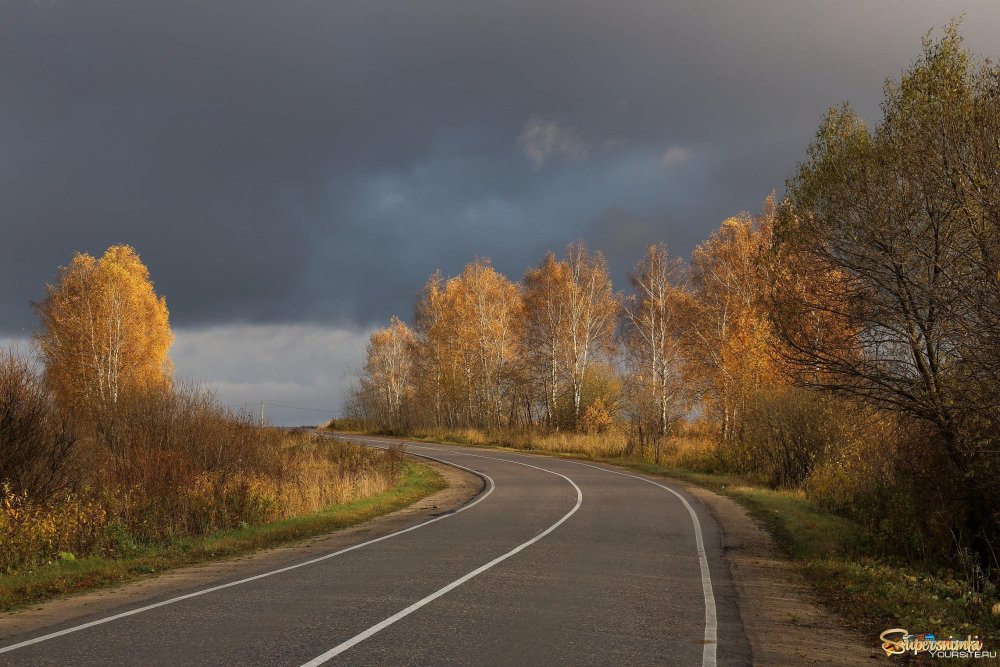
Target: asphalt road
554	562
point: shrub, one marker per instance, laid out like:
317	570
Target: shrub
34	532
37	440
161	465
596	419
783	434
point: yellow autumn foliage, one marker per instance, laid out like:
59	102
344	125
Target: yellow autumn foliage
119	519
32	532
104	330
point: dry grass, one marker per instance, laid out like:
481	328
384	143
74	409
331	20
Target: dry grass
122	519
67	574
692	451
610	444
695	452
153	468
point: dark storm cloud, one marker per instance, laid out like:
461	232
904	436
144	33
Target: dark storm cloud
315	161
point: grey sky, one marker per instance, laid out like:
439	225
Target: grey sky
309	164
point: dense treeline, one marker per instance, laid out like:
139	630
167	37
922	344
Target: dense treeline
103	453
562	351
844	341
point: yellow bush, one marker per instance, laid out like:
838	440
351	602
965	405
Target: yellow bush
34	533
313	475
694	452
863	458
596	419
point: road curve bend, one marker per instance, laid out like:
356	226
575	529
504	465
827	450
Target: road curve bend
555	562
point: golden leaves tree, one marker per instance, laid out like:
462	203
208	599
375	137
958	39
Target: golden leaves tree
591	312
104	330
654	316
546	302
485	312
388	371
436	365
731	335
467	348
570	311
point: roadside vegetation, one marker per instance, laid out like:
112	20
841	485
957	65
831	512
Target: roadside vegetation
66	573
108	466
832	361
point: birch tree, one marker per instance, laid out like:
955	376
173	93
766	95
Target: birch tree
730	334
654	328
546	300
389	371
486	311
591	311
104	330
436	357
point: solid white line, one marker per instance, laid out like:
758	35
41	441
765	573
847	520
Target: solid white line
708	657
378	627
163	603
711	619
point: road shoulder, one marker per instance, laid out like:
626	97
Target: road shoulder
784	625
462	487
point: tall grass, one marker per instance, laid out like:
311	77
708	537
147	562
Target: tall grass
610	444
154	468
689	448
118	519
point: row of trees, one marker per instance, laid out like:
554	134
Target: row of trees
487	352
857	319
890	240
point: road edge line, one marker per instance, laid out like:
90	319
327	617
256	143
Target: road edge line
263	575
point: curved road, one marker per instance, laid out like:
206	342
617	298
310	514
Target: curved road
554	562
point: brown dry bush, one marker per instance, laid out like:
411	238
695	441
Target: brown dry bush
596	418
782	434
37	439
883	475
158	466
197	468
692	451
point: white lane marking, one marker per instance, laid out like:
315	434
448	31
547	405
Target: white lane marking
163	603
378	627
711	620
708	657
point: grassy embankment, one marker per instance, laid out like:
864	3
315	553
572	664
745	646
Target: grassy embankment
68	574
852	574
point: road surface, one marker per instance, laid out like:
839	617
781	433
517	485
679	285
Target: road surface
553	562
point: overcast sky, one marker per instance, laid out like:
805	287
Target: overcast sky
293	171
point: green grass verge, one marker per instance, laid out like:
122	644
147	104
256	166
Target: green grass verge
73	576
869	591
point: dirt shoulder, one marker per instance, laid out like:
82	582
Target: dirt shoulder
783	622
462	487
